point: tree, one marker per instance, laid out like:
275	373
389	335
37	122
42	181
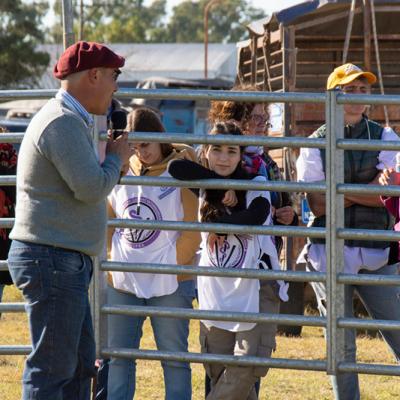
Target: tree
20	62
112	21
131	21
227	21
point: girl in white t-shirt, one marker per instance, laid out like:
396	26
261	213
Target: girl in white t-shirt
151	246
233	251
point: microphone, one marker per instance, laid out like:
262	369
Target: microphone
118	123
397	168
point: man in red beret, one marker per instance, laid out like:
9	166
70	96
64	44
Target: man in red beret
61	221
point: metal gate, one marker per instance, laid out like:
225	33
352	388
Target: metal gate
335	279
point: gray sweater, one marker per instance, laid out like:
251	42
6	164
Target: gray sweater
61	186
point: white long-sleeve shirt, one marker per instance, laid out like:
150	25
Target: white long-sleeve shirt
310	169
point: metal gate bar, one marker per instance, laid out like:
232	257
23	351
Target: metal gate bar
335	232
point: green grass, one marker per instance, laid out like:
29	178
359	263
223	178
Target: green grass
278	385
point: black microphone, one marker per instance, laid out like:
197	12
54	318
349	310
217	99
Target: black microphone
118	123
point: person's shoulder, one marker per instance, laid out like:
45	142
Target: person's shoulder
62	119
183	151
374	124
54	112
259	178
389	133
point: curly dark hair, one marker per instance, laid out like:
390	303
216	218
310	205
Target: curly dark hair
212	207
235	110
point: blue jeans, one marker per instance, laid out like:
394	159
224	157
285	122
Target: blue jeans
381	302
1	294
170	335
54	283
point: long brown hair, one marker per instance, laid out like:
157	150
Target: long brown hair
145	120
212	207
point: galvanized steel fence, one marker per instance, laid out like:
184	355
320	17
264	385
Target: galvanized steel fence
335	234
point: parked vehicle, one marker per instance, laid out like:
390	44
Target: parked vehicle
182	116
15	124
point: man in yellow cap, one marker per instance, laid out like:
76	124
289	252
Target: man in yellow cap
361	212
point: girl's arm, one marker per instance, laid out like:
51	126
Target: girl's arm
188	242
390	177
110	231
186	170
255	214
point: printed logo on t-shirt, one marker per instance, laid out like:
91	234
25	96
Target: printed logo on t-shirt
165	191
230	254
145	210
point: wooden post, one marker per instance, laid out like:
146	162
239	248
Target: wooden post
253	48
289	85
267	60
367	35
289	73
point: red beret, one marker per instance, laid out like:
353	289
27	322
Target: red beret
86	55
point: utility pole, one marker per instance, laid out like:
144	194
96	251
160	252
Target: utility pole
81	20
68	23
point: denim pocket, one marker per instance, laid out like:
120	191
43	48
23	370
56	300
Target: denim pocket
27	277
71	272
69	262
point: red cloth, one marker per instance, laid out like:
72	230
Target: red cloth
86	55
392	204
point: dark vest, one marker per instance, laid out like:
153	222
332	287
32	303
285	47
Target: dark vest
359	167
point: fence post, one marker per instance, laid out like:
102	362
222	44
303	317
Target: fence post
334	221
98	284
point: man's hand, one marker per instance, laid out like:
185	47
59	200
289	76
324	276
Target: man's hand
369	200
389	177
124	169
120	147
284	215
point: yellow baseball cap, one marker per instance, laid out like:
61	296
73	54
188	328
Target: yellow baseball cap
347	73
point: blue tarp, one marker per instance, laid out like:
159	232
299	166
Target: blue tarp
290	14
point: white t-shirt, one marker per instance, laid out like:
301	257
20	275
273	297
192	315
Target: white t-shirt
310	169
147	246
231	294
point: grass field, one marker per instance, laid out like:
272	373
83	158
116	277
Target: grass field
278	385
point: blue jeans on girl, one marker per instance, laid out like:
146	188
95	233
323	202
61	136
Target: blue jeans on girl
170	335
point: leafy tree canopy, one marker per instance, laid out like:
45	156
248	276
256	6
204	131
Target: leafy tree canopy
226	21
111	21
131	21
20	63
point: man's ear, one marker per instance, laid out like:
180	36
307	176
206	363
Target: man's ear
93	75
